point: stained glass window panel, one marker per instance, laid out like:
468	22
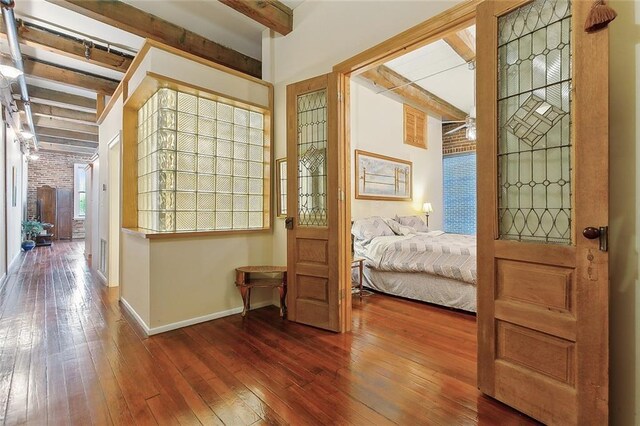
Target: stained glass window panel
312	156
534	123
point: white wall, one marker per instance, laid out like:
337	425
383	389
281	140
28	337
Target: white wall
3	199
326	33
377	126
624	213
329	32
15	158
108	130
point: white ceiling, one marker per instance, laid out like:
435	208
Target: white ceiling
438	69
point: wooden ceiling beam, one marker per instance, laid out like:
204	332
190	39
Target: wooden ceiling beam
69	142
66	134
42	95
463	43
411	93
58	112
40	38
270	13
59	124
143	24
66	76
49	146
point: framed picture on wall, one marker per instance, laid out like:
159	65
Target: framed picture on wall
379	177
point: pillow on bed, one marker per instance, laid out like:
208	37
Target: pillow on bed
399	229
369	228
415	222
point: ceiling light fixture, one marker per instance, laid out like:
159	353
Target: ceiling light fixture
26	134
10	72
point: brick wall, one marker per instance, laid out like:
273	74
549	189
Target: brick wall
56	170
456	142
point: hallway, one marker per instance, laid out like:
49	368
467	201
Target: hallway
69	355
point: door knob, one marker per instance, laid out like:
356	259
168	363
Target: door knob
591	233
602	233
288	223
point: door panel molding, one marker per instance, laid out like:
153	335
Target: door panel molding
543	307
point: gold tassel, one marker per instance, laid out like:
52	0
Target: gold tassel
599	16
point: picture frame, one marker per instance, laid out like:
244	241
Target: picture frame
281	187
378	177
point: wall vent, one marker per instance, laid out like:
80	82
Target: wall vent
102	265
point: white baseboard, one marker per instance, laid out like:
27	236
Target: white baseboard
190	321
101	277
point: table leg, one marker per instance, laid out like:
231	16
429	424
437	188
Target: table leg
244	292
360	271
283	296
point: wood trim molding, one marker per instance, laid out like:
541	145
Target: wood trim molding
451	20
463	43
145	50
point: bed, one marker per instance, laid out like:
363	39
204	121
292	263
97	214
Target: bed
403	258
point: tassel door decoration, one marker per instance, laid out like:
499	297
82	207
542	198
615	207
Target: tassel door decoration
599	16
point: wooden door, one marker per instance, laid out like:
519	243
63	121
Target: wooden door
542	183
46	205
64	203
315	203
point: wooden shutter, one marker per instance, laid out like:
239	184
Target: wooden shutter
415	124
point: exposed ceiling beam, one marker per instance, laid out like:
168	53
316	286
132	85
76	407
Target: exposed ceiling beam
143	24
41	38
67	134
68	142
41	95
270	13
47	71
48	146
56	123
386	78
464	44
58	112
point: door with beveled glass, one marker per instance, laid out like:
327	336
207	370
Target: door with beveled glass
316	293
543	210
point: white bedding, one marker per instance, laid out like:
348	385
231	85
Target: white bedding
446	255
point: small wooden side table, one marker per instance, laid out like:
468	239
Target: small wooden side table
245	283
358	262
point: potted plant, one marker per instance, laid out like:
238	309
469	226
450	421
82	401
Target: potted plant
30	229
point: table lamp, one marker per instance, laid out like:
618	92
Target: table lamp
427	208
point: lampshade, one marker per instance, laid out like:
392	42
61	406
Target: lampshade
427	208
10	72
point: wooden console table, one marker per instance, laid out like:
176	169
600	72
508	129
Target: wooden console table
245	283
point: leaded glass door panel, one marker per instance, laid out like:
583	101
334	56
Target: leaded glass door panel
314	289
542	180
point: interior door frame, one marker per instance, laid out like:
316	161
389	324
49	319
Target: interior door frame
453	19
114	194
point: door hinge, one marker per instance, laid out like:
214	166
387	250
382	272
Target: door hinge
340	194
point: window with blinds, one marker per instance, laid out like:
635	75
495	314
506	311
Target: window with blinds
415	127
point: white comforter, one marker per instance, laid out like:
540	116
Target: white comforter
447	255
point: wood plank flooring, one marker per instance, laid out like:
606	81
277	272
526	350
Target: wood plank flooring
70	355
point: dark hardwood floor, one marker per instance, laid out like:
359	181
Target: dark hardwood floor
69	355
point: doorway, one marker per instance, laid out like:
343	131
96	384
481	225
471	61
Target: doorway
538	258
113	185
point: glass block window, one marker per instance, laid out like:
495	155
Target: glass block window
201	164
460	201
534	123
312	159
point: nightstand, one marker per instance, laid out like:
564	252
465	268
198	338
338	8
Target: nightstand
358	262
